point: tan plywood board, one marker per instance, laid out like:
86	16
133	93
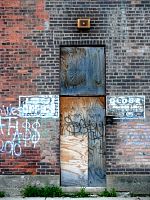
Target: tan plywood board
74	160
82	117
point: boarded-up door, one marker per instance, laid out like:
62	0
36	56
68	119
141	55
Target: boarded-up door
82	79
82	71
82	141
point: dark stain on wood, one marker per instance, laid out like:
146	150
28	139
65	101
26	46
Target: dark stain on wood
82	71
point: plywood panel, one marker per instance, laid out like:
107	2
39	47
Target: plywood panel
82	71
74	160
79	115
96	168
83	116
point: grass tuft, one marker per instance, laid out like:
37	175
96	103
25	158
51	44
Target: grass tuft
107	193
2	194
47	191
82	193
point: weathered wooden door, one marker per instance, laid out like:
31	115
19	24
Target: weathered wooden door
82	79
82	141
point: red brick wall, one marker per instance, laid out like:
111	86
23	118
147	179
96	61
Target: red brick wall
21	25
31	33
29	146
133	144
21	21
128	151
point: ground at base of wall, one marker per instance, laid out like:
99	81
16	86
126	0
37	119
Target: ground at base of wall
89	198
120	196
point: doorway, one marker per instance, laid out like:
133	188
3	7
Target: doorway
82	141
82	109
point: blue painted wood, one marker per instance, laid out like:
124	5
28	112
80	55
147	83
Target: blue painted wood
82	71
96	145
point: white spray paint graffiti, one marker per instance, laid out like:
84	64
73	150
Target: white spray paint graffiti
20	126
10	129
13	146
31	132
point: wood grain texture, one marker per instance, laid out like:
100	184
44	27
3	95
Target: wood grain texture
74	160
82	117
82	71
96	168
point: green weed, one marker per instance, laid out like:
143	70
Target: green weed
47	191
107	193
2	194
82	193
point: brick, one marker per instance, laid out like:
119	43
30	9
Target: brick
11	4
31	36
